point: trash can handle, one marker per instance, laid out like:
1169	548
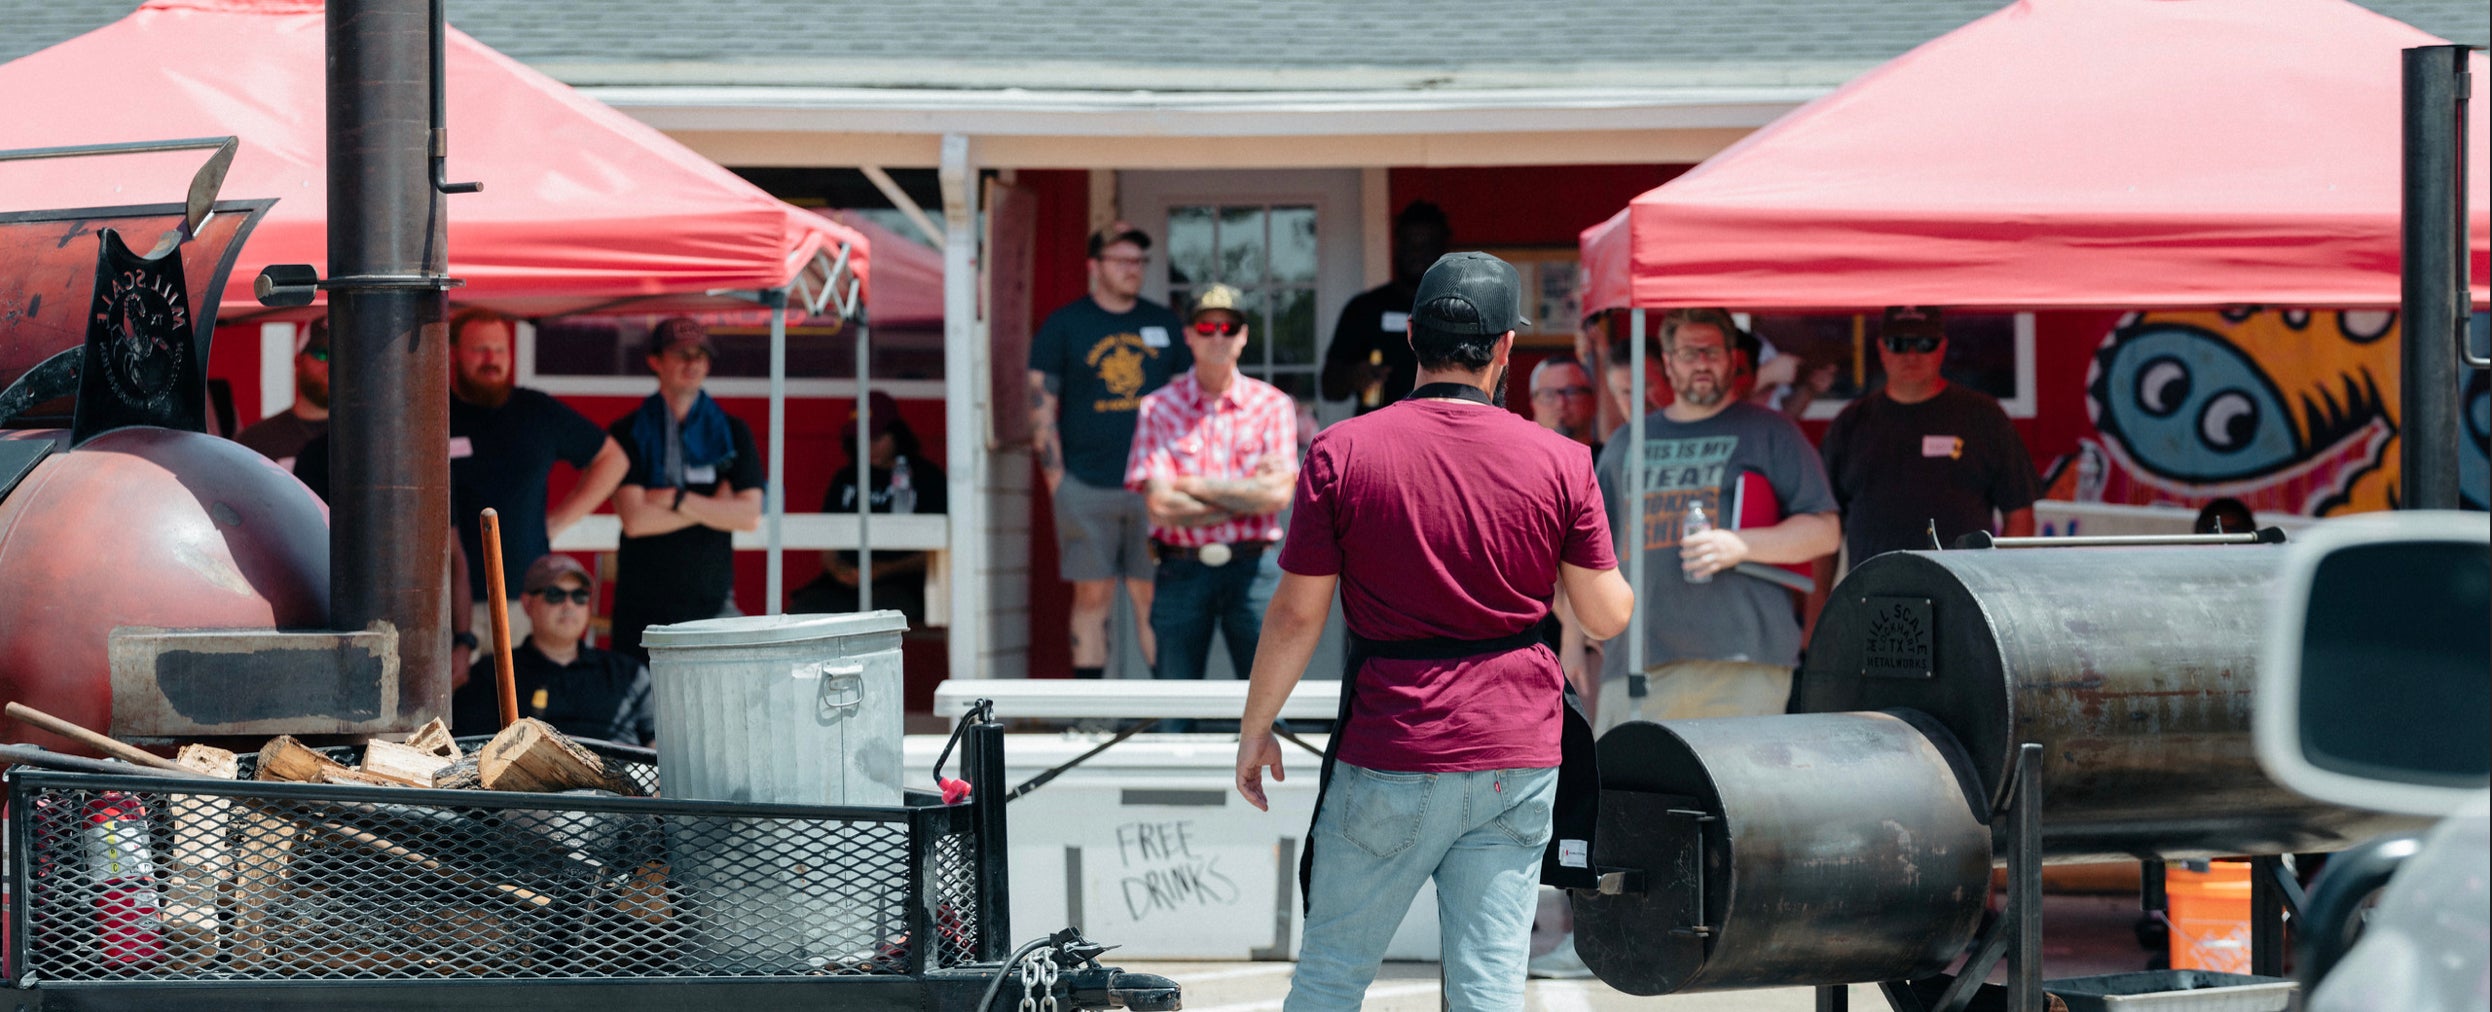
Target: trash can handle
839	692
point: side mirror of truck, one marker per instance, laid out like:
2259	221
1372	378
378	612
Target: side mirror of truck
2376	680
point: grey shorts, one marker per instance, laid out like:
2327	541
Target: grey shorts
1101	533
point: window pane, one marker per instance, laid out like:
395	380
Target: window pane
1190	257
1241	246
1253	356
1293	327
618	345
1293	245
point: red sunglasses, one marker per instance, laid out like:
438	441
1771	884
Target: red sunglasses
1217	328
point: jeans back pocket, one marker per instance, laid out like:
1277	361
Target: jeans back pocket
1527	817
1382	812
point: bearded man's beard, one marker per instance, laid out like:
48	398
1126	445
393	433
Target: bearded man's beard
312	391
1498	385
482	393
1705	396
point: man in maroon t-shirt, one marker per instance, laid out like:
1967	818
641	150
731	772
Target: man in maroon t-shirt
1448	524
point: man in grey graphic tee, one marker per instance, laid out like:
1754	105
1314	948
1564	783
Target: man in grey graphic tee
1724	647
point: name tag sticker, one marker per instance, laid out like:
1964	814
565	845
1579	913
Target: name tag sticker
1395	320
1942	446
1574	854
701	475
1156	337
460	448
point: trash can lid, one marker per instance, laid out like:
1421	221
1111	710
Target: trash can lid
748	630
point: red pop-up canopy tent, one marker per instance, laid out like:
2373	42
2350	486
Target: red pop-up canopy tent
2118	154
583	207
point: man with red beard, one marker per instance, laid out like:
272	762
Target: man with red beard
281	437
1718	643
504	442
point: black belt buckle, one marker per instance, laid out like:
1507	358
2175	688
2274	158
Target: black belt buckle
1637	688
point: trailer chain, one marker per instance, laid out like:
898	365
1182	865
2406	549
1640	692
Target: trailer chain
1038	978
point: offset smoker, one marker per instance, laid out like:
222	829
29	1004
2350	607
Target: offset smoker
1854	842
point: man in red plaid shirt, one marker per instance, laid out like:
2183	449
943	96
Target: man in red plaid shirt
1215	456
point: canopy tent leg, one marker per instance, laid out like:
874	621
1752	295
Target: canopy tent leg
775	498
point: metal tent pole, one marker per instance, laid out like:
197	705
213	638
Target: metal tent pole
1633	494
865	474
774	500
2434	294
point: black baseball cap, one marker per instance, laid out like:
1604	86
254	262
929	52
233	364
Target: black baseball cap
1113	234
1470	293
1921	320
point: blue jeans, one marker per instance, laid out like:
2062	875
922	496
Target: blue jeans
1189	599
1380	835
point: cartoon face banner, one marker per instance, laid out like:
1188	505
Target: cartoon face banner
2289	411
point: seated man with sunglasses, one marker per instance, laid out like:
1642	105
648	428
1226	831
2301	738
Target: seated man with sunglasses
1215	456
581	690
1921	451
281	437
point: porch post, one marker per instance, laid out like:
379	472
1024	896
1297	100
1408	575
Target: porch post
965	427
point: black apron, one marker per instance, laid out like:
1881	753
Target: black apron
1567	862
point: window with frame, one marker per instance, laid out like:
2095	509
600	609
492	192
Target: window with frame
605	353
1268	253
1989	352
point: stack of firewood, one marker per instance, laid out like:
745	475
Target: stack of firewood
527	756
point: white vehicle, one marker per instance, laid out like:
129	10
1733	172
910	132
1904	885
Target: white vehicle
2378	694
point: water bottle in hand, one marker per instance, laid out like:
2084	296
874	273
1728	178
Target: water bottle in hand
903	494
1696	523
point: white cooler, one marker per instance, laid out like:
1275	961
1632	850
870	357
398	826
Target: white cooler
1149	848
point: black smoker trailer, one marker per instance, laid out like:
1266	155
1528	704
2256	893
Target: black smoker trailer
133	891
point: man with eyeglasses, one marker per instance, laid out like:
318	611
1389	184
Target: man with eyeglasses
581	690
1921	453
1563	401
1091	363
1215	454
1717	642
281	437
694	479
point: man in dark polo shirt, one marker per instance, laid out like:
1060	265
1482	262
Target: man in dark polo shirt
1448	525
504	442
579	689
281	437
1369	362
1090	365
1920	451
694	479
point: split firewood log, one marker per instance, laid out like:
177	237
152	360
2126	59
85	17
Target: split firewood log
284	758
405	764
531	756
434	738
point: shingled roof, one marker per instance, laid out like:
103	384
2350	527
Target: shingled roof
1198	45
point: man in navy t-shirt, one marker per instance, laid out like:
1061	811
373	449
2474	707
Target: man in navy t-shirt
504	442
1090	364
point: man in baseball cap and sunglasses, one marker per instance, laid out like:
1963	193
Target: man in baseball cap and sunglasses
581	690
1920	453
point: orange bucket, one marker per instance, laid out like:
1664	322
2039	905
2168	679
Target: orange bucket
2210	917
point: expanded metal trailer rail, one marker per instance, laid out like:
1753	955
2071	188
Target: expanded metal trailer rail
139	892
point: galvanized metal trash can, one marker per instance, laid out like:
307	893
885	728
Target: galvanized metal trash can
780	709
786	709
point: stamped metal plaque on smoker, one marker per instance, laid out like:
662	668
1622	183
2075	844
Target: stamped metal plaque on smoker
1900	642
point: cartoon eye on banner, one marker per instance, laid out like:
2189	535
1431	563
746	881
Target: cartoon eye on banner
2291	411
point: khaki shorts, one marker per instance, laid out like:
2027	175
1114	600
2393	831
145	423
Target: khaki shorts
1682	690
1101	533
